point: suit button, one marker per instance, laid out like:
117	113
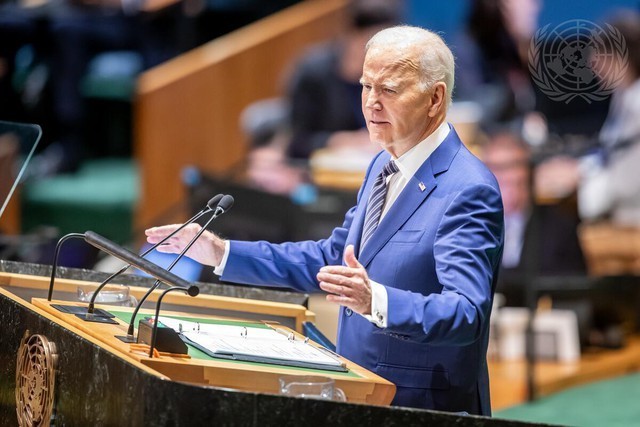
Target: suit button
348	312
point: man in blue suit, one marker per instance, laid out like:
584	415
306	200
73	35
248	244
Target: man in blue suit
415	262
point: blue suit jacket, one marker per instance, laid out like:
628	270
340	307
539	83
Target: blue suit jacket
437	252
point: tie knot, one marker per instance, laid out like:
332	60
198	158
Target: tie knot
390	168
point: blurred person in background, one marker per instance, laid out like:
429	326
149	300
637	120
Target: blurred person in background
45	52
82	29
554	249
492	57
610	183
17	29
322	106
324	91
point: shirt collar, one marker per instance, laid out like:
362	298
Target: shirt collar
411	161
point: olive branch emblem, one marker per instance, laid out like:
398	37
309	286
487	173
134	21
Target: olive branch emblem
550	82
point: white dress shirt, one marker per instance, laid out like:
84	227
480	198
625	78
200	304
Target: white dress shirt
515	225
407	164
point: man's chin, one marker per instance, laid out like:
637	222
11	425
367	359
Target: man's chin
378	140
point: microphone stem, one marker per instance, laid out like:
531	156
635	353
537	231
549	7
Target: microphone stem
102	285
135	311
130	330
55	259
155	323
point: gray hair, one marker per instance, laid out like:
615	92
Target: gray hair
436	59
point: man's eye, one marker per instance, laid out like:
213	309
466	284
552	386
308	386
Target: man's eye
366	86
389	90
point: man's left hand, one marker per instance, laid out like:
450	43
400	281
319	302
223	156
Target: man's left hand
348	284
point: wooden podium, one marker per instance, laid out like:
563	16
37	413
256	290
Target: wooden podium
360	385
83	375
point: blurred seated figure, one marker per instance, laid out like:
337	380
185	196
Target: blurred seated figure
267	166
17	29
325	90
321	111
49	47
546	245
610	183
81	30
270	170
491	57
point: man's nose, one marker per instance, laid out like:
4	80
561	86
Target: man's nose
372	101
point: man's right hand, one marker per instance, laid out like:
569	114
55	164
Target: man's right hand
208	249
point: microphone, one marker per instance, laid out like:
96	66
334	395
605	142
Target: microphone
106	245
72	309
55	258
210	206
226	203
192	291
148	267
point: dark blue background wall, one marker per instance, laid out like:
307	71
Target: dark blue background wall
449	16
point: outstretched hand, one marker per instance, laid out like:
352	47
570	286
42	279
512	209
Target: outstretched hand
347	285
208	249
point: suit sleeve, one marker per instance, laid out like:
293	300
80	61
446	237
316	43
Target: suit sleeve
293	265
467	251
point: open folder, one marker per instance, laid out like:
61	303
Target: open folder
264	345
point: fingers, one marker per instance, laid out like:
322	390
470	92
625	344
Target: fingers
341	285
161	231
338	278
341	299
339	270
156	234
358	301
336	289
347	285
350	257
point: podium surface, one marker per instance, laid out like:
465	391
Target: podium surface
98	381
359	385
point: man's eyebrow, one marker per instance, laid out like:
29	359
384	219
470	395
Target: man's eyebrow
390	84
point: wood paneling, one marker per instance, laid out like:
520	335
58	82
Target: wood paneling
187	110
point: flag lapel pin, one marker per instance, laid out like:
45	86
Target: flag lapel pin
422	186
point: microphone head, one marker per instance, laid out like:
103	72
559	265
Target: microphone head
193	291
213	202
226	203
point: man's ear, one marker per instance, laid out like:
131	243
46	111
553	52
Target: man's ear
438	98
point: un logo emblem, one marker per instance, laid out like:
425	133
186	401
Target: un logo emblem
578	59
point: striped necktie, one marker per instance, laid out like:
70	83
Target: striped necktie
376	202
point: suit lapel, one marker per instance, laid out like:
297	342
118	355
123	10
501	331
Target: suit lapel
413	195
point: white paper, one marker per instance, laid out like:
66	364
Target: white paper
263	343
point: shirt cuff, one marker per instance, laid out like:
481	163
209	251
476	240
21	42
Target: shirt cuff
379	305
219	270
